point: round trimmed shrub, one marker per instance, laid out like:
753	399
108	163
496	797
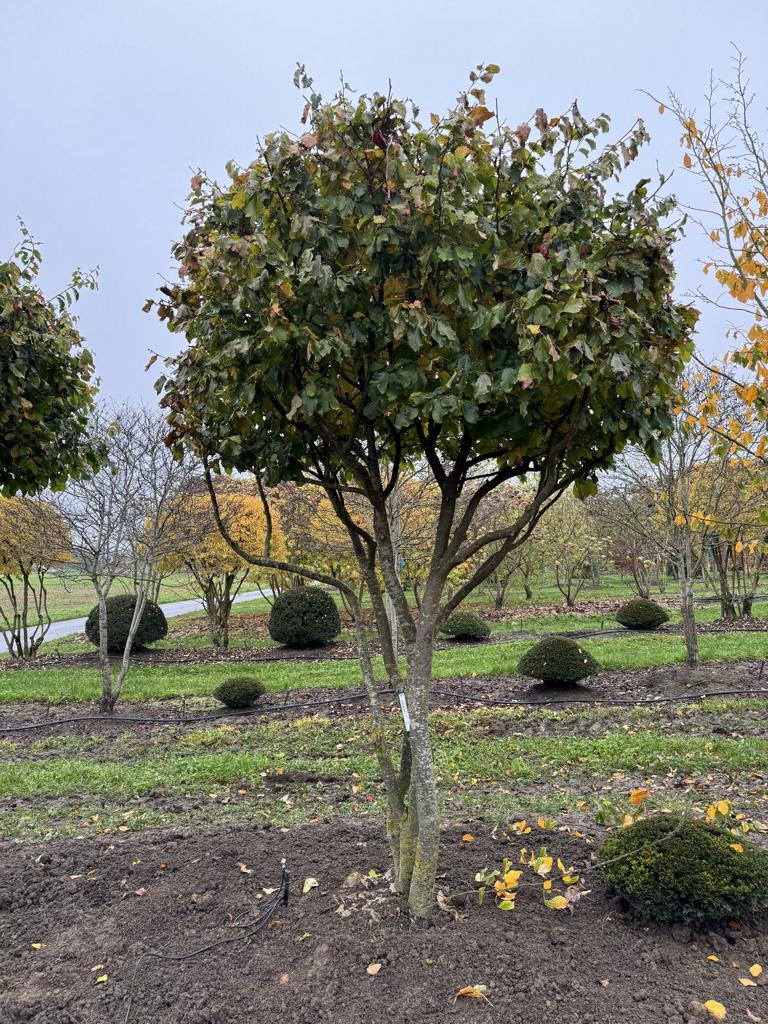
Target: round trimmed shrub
304	617
674	868
239	691
558	660
152	625
640	613
466	626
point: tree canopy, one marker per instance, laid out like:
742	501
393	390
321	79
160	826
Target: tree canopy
46	385
457	287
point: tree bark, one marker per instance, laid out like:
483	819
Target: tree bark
690	632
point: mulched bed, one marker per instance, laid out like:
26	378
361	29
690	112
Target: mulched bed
95	905
451	694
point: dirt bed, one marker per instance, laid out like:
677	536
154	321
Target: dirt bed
76	916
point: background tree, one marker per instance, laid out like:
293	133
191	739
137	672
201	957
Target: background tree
46	389
725	154
661	499
33	539
573	543
121	519
380	292
198	548
637	555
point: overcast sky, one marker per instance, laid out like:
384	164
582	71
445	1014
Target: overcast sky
108	106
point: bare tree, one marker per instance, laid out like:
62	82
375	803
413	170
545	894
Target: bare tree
121	520
33	539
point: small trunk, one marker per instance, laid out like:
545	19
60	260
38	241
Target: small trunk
107	698
746	607
527	590
689	619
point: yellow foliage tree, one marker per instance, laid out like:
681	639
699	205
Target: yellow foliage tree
33	539
724	150
216	573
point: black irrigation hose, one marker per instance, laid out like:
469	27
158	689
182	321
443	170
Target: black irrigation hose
351	698
249	931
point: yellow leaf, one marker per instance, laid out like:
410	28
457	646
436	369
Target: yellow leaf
679	520
543	865
755	970
511	879
717	1010
309	883
637	796
556	903
373	969
715	959
723	807
38	945
747	983
534	328
662	108
547	885
101	979
471	992
467	838
737	847
687	160
739	547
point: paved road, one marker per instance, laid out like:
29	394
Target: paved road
171	609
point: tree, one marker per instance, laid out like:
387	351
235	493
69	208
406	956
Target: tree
46	388
378	293
725	154
217	573
33	539
663	500
121	519
572	543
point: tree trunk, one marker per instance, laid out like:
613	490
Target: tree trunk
690	633
107	698
419	835
527	590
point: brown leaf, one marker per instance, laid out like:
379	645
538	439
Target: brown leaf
540	119
373	969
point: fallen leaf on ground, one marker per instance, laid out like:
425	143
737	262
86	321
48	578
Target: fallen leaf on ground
747	983
467	838
102	978
309	883
755	970
38	945
717	1010
471	992
373	968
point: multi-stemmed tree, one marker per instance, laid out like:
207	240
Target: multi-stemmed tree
121	520
379	291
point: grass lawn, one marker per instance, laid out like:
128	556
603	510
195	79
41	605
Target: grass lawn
288	771
152	682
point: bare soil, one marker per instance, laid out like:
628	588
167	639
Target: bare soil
75	916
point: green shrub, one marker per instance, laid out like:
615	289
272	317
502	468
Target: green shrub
152	626
675	868
557	660
239	691
640	613
304	617
466	626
